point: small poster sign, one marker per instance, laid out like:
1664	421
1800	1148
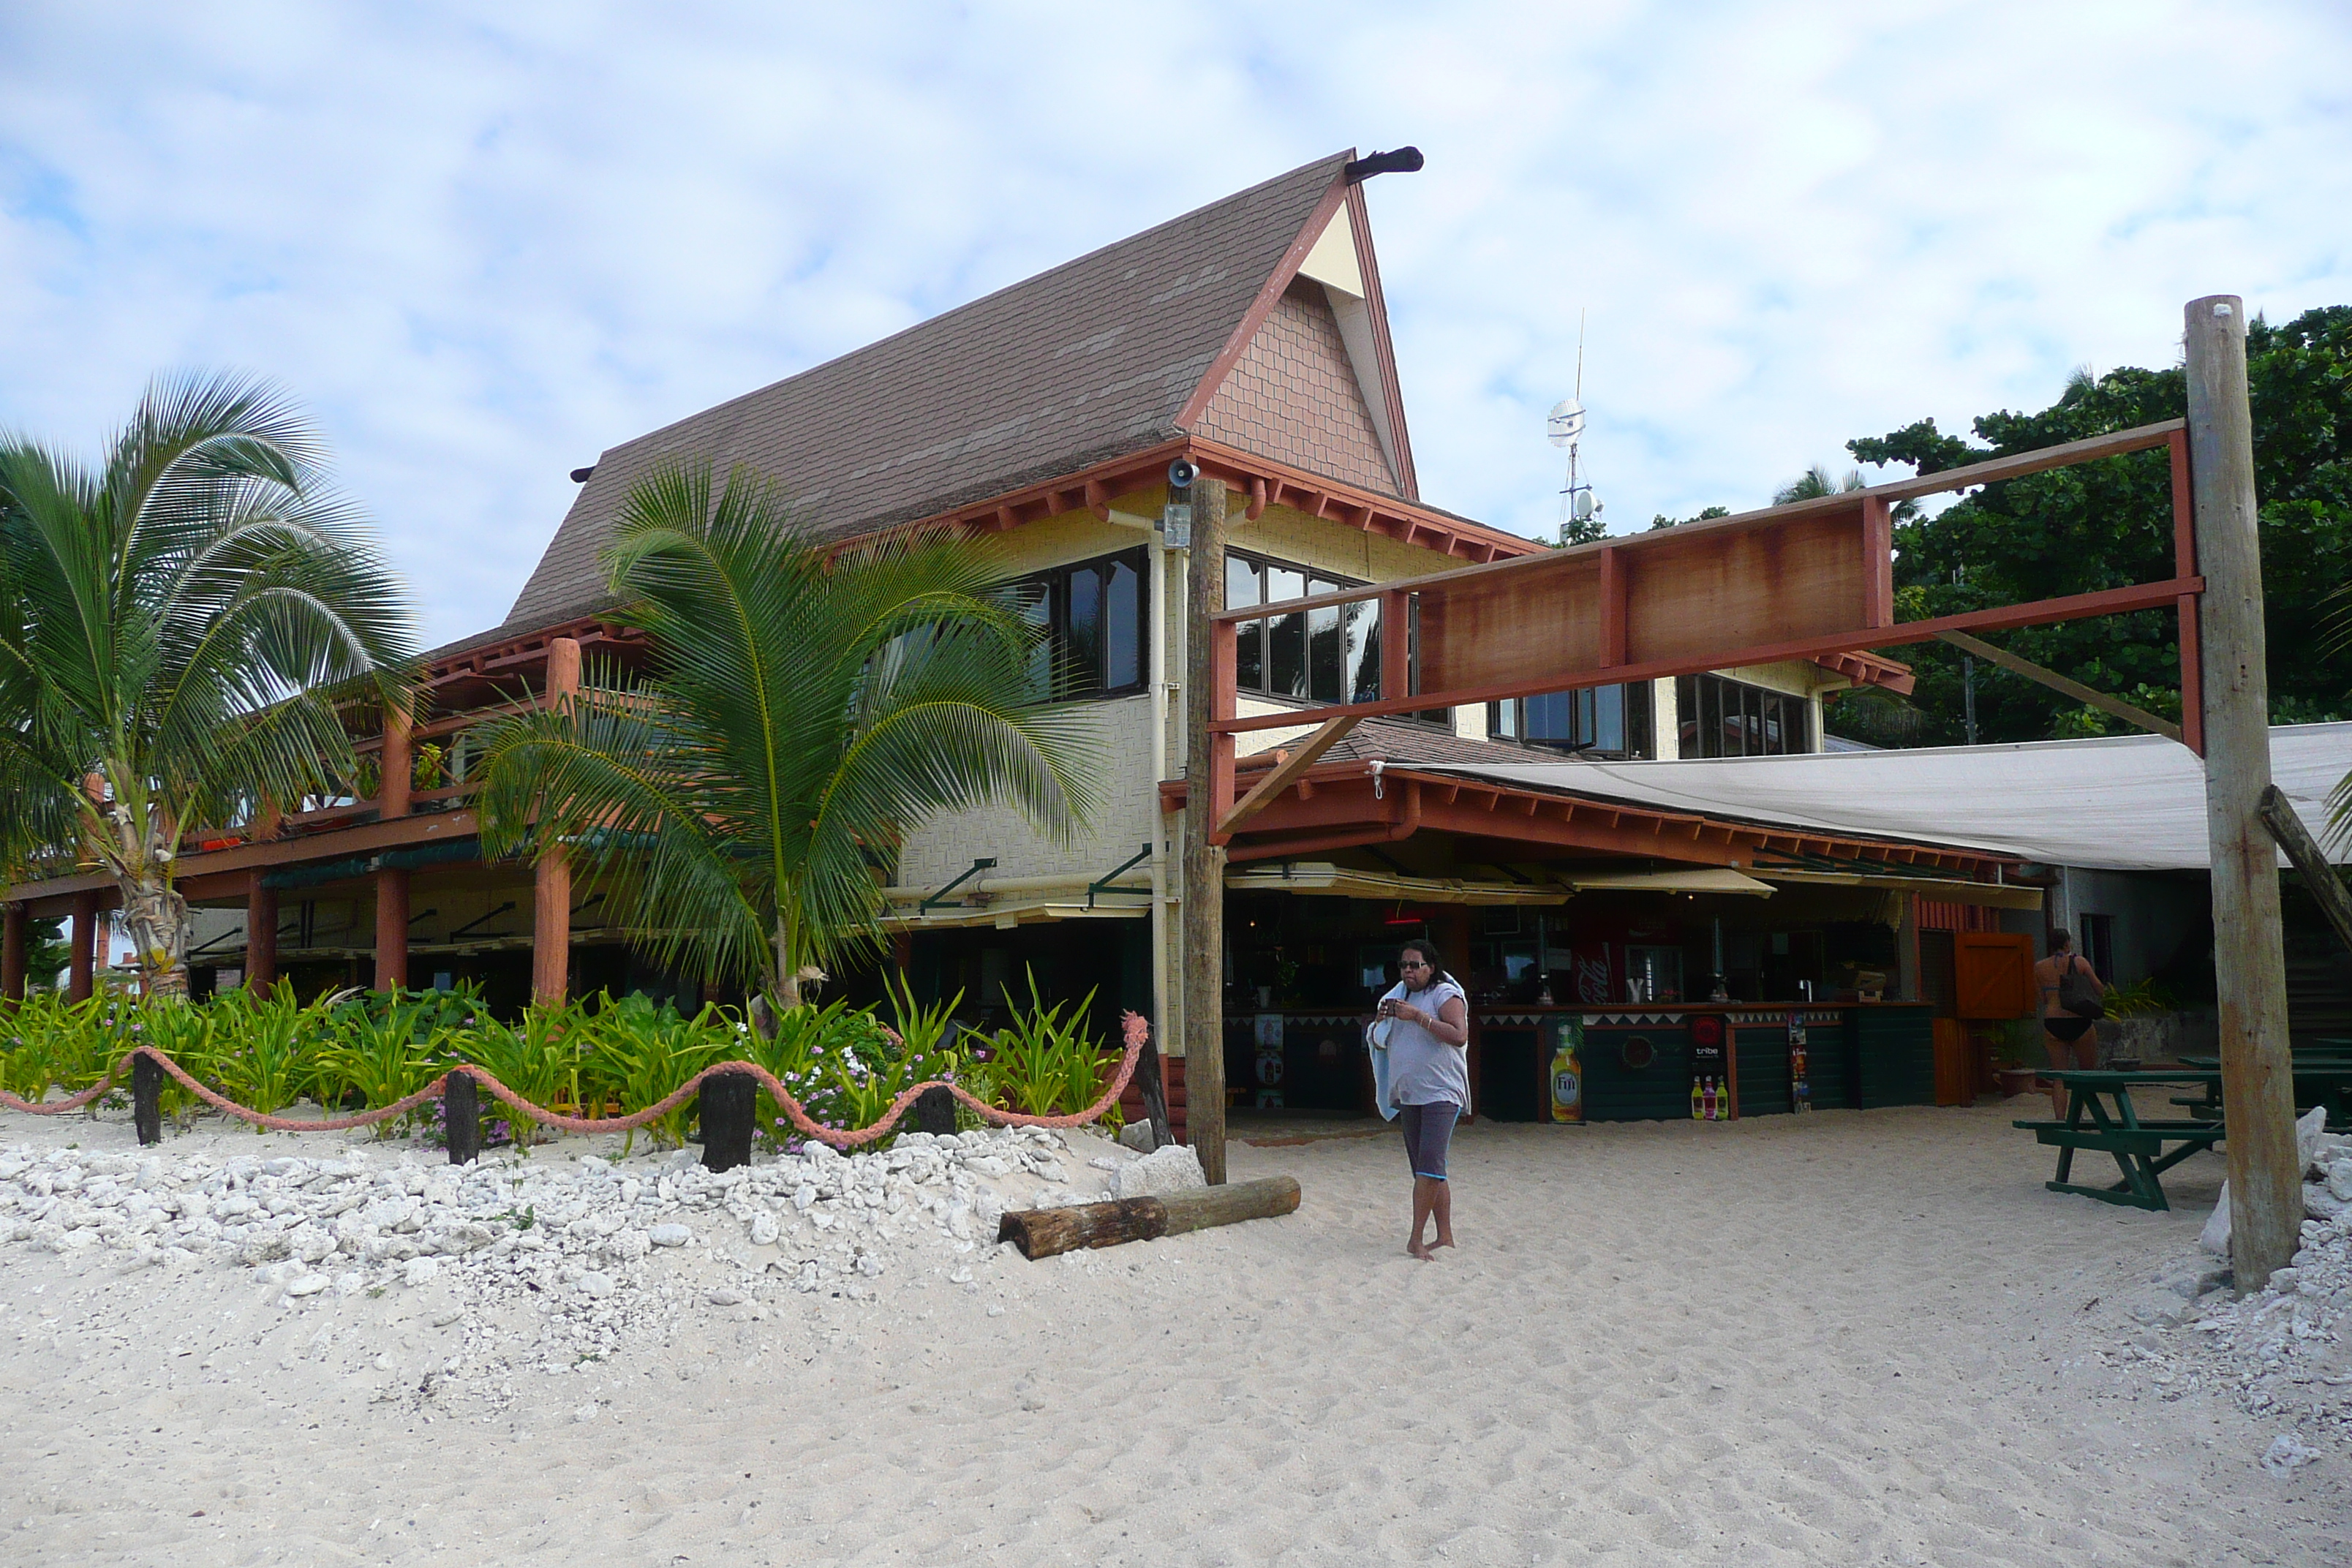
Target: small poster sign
1709	1067
1801	1087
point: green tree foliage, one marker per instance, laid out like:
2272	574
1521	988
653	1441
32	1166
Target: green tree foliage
2109	524
1662	520
808	709
177	621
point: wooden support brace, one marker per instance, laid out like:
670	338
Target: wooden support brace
1283	775
2303	851
2061	684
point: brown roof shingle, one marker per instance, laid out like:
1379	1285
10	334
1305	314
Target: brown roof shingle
1085	361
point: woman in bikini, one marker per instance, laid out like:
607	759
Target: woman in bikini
2071	1039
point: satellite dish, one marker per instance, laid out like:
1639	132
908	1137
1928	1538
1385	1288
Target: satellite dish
1565	423
1585	505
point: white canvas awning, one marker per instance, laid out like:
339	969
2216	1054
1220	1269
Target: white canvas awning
2132	803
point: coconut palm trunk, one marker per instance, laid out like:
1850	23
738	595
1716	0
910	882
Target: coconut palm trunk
183	629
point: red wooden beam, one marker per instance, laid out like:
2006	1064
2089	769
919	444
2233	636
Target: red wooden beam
2077	606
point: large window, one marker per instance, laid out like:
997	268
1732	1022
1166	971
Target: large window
1603	720
1095	624
1330	655
1723	718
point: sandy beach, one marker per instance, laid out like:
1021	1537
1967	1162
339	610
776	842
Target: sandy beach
1857	1338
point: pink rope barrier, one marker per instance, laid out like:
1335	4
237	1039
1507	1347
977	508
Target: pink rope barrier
1134	1029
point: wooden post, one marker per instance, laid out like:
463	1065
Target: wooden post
1155	1093
1205	862
461	1117
551	911
81	972
392	929
2249	950
395	764
260	935
727	1100
146	1099
13	924
935	1112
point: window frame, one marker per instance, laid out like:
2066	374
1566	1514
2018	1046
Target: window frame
1052	589
1329	621
1695	725
1513	710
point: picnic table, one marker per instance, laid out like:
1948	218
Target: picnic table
2101	1117
2321	1078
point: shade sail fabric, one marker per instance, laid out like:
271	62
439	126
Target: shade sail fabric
1692	880
2126	802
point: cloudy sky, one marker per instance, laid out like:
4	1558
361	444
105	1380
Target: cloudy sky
484	251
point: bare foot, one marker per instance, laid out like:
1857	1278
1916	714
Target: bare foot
1440	1241
1417	1249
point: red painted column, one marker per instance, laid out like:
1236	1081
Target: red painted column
12	953
390	928
392	882
81	975
260	935
551	915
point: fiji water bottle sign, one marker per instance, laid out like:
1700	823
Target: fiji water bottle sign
1566	1071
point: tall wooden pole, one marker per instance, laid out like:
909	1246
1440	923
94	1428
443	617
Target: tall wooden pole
260	935
1204	863
13	924
393	782
551	911
2249	953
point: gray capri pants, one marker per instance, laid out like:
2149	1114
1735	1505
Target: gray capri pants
1428	1132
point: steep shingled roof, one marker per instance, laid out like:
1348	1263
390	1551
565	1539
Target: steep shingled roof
1079	365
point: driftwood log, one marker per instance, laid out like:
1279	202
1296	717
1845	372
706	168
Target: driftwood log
1043	1233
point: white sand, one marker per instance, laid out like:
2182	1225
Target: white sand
1860	1338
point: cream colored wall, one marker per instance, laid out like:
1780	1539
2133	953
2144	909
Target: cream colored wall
942	849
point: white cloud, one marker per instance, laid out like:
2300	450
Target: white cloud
485	250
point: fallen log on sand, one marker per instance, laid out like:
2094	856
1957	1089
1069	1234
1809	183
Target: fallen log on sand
1043	1233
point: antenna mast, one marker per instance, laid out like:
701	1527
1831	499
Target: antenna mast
1565	427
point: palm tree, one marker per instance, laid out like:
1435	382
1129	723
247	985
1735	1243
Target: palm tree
1814	483
806	710
175	627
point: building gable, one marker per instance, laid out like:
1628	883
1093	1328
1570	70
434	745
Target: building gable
1294	396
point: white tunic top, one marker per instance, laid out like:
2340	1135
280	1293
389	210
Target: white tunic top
1422	1068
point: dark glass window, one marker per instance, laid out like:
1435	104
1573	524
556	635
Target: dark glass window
1602	721
1097	626
1720	717
1328	655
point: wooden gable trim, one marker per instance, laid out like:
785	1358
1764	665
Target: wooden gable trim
1391	389
1402	520
1293	258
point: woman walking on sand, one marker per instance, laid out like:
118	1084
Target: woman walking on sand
2071	1041
1429	1081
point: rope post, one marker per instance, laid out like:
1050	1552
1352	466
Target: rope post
727	1102
935	1112
461	1117
147	1098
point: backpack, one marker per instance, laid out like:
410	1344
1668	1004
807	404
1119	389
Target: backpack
2078	993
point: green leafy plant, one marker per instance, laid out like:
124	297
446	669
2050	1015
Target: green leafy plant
536	1058
1044	1061
259	1057
639	1054
2141	999
382	1050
